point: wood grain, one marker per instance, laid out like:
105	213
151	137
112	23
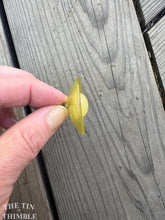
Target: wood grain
157	38
29	187
4	53
150	8
117	169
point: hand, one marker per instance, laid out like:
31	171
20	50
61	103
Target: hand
23	140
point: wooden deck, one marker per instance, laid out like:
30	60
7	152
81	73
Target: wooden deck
150	9
29	187
157	38
117	169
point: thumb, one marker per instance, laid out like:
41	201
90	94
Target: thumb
22	142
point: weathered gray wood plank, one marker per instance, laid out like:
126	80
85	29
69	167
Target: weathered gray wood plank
157	38
117	169
29	187
4	53
150	8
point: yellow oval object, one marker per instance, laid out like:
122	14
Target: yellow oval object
77	105
84	104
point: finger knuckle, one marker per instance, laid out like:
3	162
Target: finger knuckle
31	138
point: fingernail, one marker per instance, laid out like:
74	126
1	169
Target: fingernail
56	116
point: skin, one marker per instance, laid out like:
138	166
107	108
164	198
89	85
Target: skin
23	140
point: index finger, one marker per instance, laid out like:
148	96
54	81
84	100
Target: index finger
7	72
18	92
